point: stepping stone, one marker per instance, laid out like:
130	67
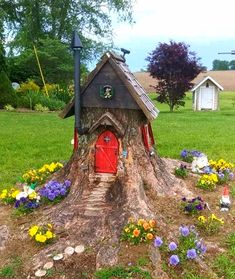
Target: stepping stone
40	273
48	265
58	257
69	250
79	249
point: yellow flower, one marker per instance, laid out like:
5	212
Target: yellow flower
140	222
33	195
49	226
49	235
33	230
131	220
127	230
202	219
40	238
15	193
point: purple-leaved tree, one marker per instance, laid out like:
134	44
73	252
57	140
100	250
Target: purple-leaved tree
174	66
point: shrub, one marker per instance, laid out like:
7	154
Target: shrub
27	86
7	93
39	107
42	234
181	171
207	181
187	247
139	231
187	155
9	107
55	191
192	206
209	225
223	169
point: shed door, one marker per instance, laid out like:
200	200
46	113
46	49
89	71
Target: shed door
207	97
106	153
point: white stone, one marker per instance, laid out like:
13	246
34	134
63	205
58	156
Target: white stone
40	273
58	257
79	249
48	265
69	250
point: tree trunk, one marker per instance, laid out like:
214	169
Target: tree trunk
99	205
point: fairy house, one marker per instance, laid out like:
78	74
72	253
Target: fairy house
115	109
206	94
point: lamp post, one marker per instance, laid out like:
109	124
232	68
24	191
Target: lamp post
77	47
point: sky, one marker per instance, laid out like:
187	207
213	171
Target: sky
207	26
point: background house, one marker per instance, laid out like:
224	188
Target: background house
206	94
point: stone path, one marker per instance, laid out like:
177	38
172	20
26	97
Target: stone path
93	202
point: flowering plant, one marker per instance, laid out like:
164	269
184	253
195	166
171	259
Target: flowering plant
39	175
54	191
223	169
207	181
193	206
187	247
181	171
139	231
9	196
42	234
187	155
209	225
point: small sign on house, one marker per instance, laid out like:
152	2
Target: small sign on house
206	94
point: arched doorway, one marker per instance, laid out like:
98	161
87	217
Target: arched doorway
106	153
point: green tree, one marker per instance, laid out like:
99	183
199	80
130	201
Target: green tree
174	66
31	20
220	65
7	93
232	65
55	58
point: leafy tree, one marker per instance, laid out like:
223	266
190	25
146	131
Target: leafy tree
7	93
55	59
174	66
220	65
31	20
232	65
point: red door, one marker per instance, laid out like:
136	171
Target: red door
106	153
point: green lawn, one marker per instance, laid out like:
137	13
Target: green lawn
28	140
212	132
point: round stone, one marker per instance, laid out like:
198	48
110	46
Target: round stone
40	273
79	249
58	257
48	265
69	250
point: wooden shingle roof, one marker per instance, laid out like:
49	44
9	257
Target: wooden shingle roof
133	86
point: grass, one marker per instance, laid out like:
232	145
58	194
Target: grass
211	132
123	272
11	269
29	140
224	264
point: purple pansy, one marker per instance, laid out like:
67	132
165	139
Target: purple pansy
191	254
172	246
184	230
157	242
174	260
55	189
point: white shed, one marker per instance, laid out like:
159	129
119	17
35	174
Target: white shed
206	94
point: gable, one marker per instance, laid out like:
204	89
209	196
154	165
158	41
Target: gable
122	99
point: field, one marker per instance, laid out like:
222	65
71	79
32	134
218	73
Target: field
29	139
